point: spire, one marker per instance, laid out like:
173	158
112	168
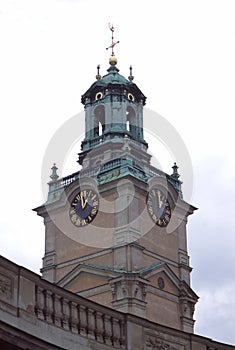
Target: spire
112	59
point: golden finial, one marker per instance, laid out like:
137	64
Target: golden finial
112	59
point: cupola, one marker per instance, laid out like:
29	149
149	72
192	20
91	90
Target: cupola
113	108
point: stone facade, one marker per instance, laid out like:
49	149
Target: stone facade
125	275
36	314
122	258
116	271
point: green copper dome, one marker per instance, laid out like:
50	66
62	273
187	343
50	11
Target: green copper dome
113	77
113	80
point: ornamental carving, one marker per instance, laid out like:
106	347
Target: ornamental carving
5	287
157	344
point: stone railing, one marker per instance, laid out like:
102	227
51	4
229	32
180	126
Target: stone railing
68	311
62	183
36	302
36	314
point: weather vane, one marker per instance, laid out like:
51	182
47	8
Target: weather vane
111	27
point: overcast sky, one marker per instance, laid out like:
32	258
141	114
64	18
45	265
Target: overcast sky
182	54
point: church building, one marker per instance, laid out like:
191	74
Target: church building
116	270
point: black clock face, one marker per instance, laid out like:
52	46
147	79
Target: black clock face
158	207
84	207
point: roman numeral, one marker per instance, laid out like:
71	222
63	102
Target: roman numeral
93	211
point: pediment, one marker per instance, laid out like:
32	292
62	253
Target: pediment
86	276
163	278
160	276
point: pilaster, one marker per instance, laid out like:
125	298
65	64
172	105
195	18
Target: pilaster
129	292
49	259
126	210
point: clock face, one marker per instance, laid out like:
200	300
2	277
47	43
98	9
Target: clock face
84	207
158	207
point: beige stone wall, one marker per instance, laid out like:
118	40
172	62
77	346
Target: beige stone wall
163	311
89	260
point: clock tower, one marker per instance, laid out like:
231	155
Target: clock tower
115	231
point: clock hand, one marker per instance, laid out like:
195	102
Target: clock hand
84	203
160	202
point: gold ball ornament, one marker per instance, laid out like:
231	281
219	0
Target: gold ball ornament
113	61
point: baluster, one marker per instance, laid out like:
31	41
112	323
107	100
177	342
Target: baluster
107	330
91	323
48	306
83	320
99	327
39	304
116	333
65	313
56	310
74	320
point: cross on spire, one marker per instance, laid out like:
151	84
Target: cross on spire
111	27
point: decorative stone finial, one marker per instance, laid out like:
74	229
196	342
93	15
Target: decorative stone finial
113	59
175	174
131	77
54	176
98	76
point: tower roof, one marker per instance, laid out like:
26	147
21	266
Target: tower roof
111	80
114	81
113	77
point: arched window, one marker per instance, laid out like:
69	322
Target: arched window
99	122
100	129
131	121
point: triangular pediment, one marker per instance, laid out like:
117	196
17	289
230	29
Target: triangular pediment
163	278
86	276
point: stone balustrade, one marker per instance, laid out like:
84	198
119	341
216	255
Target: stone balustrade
25	295
37	314
78	315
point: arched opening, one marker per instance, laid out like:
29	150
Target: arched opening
131	121
99	122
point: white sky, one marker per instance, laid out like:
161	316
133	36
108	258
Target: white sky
182	54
